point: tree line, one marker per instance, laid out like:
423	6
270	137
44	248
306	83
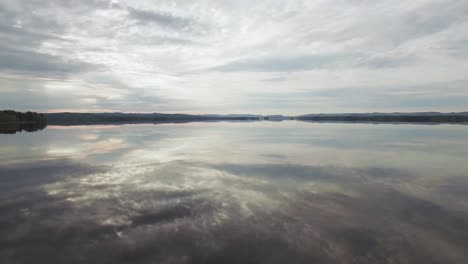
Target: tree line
390	118
12	122
10	116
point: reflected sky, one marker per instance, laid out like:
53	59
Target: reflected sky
257	192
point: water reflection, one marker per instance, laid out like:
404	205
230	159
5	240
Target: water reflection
13	128
235	193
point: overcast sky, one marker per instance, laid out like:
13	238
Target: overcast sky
264	57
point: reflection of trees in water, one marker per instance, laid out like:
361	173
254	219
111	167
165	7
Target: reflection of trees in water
13	128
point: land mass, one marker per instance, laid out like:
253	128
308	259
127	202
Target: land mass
418	117
135	118
12	121
107	118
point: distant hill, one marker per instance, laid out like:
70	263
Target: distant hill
11	121
429	117
132	118
391	114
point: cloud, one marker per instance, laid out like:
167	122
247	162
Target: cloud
34	63
387	62
410	98
163	19
276	79
191	56
280	64
24	34
295	63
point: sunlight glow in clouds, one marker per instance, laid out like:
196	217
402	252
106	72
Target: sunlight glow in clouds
265	57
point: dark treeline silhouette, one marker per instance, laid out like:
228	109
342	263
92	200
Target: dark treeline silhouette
135	118
12	122
430	117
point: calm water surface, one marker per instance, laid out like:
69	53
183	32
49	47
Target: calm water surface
259	192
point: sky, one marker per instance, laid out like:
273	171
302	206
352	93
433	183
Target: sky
234	57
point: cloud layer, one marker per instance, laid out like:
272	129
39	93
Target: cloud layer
291	57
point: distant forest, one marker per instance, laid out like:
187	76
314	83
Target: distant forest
12	122
439	118
134	118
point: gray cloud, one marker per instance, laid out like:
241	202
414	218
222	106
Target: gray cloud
296	63
163	19
31	97
427	96
280	64
457	47
434	17
387	62
34	63
382	27
23	33
450	96
164	40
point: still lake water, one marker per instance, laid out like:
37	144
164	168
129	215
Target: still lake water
247	192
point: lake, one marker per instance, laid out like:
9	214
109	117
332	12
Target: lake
235	192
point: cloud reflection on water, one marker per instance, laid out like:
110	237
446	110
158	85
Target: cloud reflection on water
219	193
